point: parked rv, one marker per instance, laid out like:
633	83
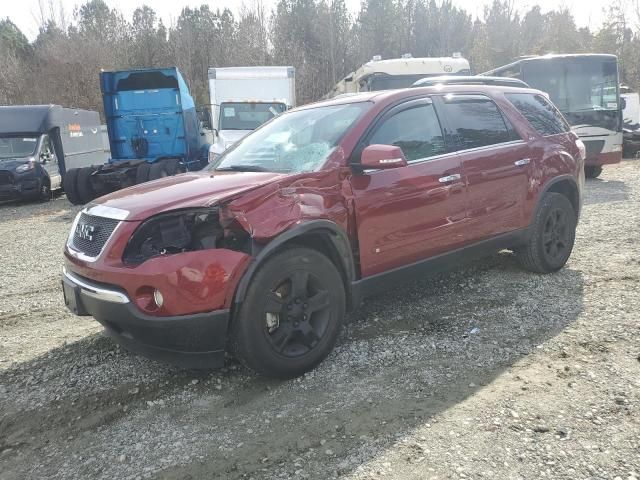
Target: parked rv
243	98
40	143
585	89
631	122
153	129
379	74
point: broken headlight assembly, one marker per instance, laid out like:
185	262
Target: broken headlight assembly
178	232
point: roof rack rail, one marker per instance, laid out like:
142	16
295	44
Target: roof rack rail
470	80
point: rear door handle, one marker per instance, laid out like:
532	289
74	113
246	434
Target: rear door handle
522	162
450	178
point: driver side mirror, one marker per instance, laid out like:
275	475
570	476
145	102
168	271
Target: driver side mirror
45	157
623	103
382	157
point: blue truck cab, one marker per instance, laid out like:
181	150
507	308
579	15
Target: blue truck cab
153	128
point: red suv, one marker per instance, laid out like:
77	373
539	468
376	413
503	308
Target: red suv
263	253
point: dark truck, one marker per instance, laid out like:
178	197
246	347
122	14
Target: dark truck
40	143
153	128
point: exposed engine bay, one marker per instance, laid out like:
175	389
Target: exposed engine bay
184	231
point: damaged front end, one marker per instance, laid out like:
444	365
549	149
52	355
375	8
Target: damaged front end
183	231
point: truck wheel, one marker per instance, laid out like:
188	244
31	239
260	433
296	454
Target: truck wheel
70	185
142	173
85	189
554	232
592	172
158	170
44	194
173	167
291	316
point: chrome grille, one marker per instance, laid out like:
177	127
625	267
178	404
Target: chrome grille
91	233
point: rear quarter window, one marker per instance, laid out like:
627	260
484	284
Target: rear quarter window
477	122
539	112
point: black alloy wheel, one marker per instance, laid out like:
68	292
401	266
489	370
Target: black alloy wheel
552	236
297	313
291	315
555	237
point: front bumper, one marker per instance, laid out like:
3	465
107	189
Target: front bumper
189	341
20	189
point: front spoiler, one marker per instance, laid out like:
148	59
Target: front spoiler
188	341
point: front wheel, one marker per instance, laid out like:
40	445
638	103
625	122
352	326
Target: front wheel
291	316
554	232
592	172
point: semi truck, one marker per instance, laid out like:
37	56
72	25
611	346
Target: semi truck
39	144
153	128
379	74
243	98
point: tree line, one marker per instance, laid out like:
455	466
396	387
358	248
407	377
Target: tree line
322	39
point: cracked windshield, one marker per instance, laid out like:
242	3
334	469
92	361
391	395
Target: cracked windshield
296	142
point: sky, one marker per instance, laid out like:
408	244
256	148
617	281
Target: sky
24	13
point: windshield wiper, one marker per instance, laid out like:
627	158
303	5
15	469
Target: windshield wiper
242	168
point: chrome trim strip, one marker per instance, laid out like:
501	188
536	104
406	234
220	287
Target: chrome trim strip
94	291
106	212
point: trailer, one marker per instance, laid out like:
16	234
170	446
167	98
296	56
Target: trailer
39	144
243	98
153	128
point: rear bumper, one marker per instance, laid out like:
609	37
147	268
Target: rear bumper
189	341
604	159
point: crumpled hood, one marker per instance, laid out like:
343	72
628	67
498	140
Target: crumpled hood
198	189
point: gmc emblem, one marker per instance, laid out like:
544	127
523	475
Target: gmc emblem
85	231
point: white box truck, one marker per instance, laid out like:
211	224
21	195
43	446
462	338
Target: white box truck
243	98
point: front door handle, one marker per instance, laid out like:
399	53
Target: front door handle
450	178
522	162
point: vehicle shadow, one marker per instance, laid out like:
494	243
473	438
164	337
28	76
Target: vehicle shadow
605	191
403	358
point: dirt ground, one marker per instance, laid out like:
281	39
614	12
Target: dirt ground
483	372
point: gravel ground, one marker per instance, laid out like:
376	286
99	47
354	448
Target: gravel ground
484	372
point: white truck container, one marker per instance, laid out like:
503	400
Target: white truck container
243	98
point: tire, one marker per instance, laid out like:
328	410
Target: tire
85	190
158	170
172	166
70	185
44	193
284	328
142	173
592	172
553	236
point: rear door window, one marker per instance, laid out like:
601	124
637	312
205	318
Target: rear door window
415	130
476	121
541	114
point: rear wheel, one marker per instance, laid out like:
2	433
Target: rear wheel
70	185
553	236
142	173
158	170
291	316
592	171
173	167
85	190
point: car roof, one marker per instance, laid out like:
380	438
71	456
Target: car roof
390	96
